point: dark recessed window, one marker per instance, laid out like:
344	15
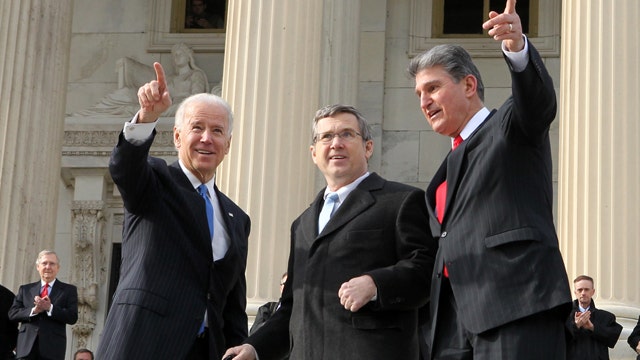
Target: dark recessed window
464	18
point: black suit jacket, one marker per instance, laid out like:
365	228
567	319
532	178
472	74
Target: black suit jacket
50	330
498	237
634	337
593	344
8	328
168	277
379	230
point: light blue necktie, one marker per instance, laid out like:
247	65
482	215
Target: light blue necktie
327	210
204	192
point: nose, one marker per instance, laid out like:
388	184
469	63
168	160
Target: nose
207	136
337	141
425	101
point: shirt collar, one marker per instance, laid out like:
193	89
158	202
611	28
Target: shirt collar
42	282
475	121
344	191
195	182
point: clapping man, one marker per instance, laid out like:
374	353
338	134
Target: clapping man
44	308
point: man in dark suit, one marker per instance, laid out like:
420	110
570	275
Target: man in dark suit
591	330
499	287
8	328
182	288
44	308
266	310
634	339
354	285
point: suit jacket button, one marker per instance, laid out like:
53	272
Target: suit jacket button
444	234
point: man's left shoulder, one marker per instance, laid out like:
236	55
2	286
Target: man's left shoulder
66	285
375	181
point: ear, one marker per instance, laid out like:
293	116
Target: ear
176	137
313	154
470	85
227	146
368	148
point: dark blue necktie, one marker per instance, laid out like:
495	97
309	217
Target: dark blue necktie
202	190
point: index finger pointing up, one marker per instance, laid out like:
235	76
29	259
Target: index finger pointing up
162	82
511	7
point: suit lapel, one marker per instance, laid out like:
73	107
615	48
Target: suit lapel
56	291
454	162
358	201
35	290
196	210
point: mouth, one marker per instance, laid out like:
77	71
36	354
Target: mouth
337	157
204	152
432	114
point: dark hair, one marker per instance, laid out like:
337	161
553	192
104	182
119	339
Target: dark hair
583	277
454	59
330	110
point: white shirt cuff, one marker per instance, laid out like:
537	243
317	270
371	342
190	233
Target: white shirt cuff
520	59
136	133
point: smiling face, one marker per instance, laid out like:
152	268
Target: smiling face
48	267
203	139
341	161
448	106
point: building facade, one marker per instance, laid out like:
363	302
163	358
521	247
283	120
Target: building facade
276	64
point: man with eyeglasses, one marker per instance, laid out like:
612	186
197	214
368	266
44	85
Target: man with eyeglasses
354	285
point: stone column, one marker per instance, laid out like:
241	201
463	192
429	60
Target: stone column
34	38
599	167
269	171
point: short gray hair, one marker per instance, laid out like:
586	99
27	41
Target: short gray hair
202	98
43	253
330	110
454	59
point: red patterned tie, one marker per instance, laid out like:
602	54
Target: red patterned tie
441	196
45	290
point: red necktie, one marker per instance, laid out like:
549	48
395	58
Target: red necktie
45	290
441	196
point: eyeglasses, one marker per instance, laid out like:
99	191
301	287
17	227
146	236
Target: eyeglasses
327	138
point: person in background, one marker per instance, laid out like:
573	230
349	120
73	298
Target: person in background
499	287
199	17
359	260
8	328
83	354
634	339
265	311
182	291
44	308
591	330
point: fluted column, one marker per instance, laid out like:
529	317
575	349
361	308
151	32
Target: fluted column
269	171
599	167
35	39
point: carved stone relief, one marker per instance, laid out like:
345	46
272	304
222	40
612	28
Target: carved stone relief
88	243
